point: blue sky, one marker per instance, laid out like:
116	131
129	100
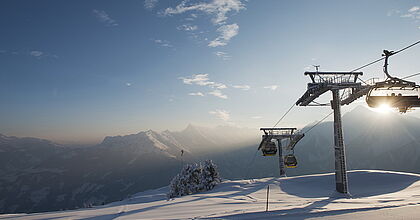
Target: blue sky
76	71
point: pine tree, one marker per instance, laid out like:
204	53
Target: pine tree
194	178
209	175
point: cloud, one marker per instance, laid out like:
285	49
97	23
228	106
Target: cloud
243	87
218	93
272	87
199	79
222	55
217	8
256	117
103	17
216	87
163	43
36	53
202	80
150	4
196	94
414	9
187	27
413	12
226	32
221	114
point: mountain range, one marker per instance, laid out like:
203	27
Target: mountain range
35	172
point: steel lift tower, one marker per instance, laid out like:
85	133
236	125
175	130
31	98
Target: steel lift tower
323	82
280	134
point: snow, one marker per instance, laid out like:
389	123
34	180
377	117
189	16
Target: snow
374	195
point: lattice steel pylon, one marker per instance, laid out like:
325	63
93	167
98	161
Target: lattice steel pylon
334	81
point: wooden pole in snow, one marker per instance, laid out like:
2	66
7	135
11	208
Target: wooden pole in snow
268	191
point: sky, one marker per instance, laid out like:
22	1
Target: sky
80	70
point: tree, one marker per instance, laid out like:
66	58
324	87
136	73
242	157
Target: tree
194	178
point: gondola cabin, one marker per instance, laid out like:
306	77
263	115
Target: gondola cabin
401	98
290	161
269	148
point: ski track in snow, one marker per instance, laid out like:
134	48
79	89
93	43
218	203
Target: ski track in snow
374	195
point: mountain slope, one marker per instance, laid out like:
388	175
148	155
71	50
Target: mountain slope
36	172
300	197
372	141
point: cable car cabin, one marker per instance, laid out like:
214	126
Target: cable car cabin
290	161
269	148
400	98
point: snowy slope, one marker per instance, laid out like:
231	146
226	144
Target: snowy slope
375	195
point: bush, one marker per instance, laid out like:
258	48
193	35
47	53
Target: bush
194	178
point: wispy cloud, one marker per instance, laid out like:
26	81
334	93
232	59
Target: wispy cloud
150	4
412	13
243	87
218	93
217	8
163	43
196	94
215	87
226	32
202	80
221	114
256	117
222	55
272	87
187	27
103	17
36	53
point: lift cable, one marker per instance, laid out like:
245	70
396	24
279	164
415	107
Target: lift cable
366	65
382	58
291	107
316	124
409	76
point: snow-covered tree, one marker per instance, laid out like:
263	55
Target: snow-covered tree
194	178
209	177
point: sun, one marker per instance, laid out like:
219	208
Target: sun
384	108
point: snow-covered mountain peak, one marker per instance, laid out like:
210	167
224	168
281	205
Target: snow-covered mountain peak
145	142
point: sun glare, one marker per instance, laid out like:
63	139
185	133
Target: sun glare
383	108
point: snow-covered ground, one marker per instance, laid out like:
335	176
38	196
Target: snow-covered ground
374	195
